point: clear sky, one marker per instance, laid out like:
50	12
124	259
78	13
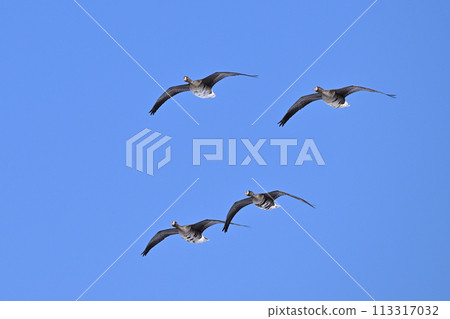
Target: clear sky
71	98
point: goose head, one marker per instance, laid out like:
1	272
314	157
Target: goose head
175	224
318	89
187	79
249	193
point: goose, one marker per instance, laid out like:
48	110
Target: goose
334	98
190	233
264	201
201	88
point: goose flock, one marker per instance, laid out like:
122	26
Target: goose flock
194	233
203	88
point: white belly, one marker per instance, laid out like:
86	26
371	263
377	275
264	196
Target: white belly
271	207
336	105
203	93
195	240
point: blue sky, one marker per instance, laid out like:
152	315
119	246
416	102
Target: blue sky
71	98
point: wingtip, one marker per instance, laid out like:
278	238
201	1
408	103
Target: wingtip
313	206
281	123
309	204
239	225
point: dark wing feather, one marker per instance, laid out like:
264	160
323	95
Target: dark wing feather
276	194
233	211
345	91
216	77
159	237
204	224
170	92
301	103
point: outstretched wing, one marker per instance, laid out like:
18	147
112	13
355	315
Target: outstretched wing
216	77
301	103
354	88
204	224
233	211
276	194
170	92
159	237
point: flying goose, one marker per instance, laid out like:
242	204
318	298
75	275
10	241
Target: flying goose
334	98
264	201
190	233
201	88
